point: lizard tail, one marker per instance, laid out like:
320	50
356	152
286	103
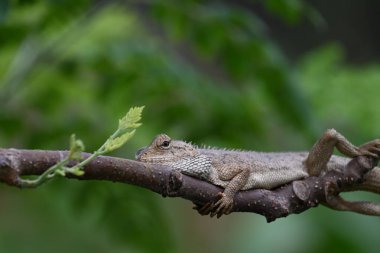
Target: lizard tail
362	207
371	182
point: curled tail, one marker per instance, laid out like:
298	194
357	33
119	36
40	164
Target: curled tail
371	182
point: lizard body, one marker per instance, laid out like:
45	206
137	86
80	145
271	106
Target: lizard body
244	170
266	170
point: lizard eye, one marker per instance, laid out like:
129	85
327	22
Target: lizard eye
165	144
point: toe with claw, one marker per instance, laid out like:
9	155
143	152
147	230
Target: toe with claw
371	148
223	205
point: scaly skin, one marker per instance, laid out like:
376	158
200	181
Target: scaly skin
243	170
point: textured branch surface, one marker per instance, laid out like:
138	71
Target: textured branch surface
292	198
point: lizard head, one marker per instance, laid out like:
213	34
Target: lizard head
165	150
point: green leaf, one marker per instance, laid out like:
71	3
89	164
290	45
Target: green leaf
130	120
60	172
76	148
77	171
117	142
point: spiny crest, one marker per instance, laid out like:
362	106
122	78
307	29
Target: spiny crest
203	146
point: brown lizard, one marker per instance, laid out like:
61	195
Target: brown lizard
243	170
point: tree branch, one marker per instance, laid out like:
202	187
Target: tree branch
295	197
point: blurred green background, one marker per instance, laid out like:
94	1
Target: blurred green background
263	75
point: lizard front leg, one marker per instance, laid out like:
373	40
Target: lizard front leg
237	179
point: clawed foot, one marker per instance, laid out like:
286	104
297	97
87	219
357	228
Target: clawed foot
222	206
371	148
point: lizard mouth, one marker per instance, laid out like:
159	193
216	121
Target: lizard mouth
141	157
157	159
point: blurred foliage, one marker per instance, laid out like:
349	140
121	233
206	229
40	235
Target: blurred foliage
207	71
347	95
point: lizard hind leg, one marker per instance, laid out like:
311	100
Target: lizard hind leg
323	149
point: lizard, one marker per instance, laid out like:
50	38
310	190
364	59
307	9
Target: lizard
236	170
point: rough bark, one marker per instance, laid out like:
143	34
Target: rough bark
296	197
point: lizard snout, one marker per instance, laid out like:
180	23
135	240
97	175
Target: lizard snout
139	153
